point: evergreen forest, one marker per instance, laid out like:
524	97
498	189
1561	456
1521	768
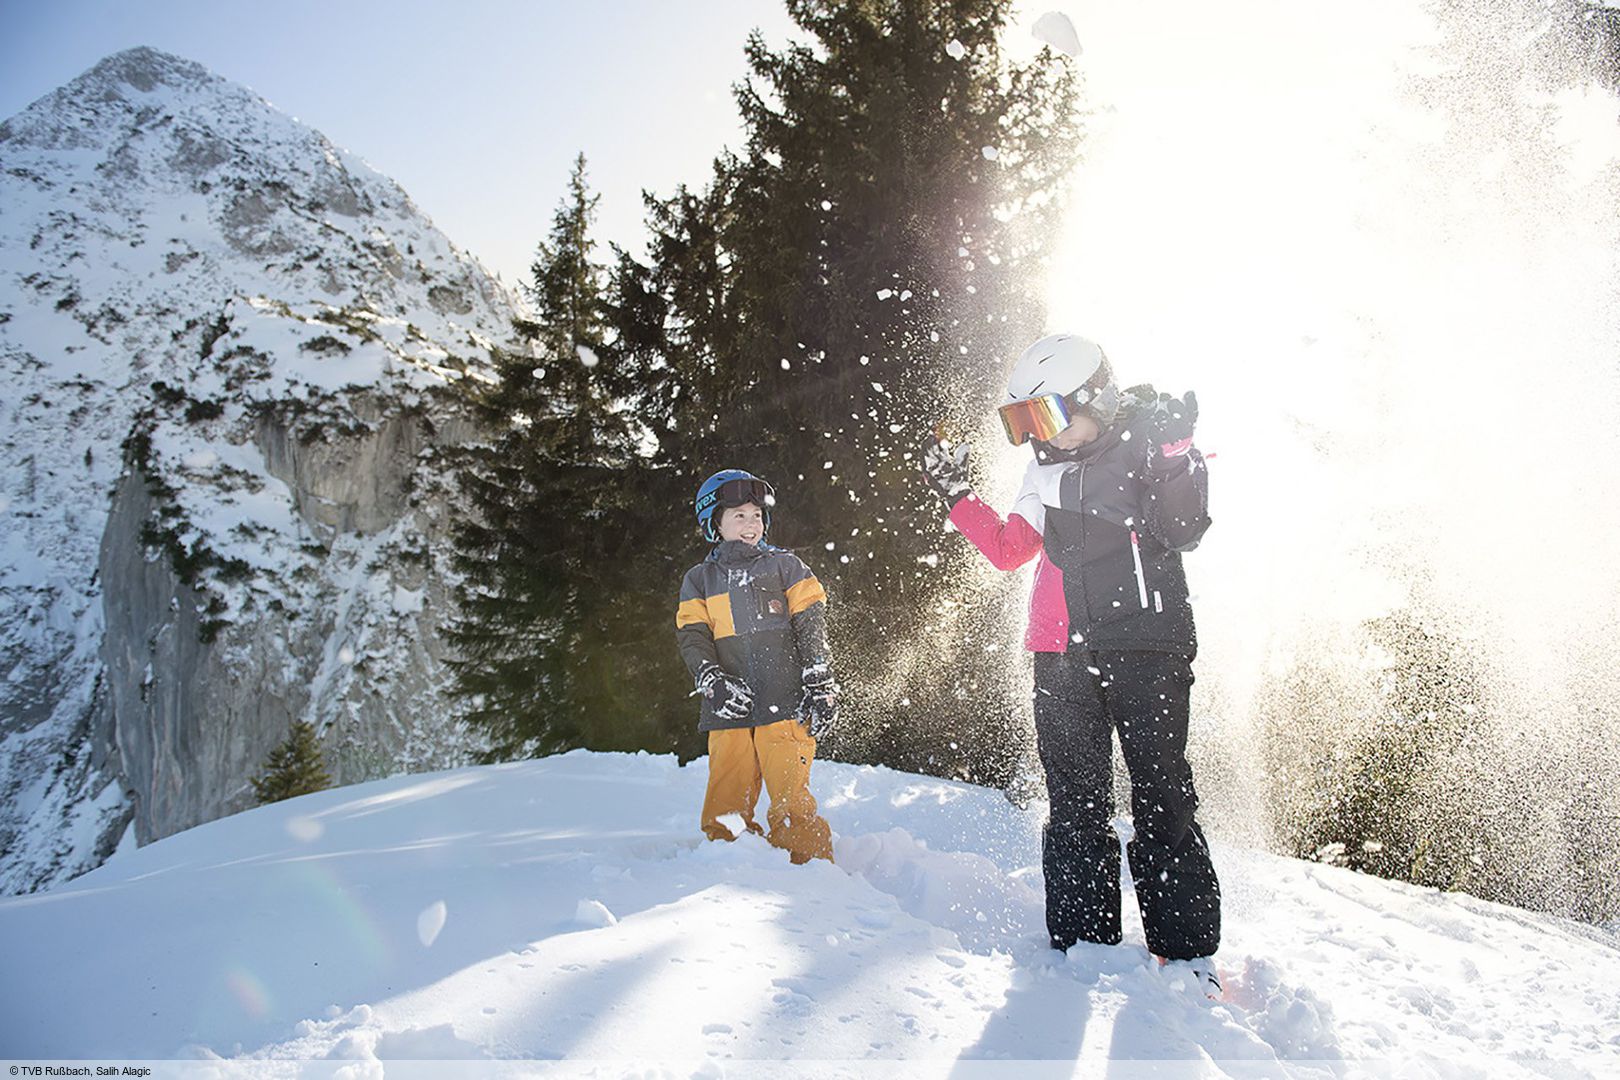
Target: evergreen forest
854	276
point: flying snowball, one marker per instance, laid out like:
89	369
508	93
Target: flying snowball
587	356
1055	29
956	50
430	922
990	153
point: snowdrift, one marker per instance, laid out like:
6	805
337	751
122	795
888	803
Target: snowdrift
566	909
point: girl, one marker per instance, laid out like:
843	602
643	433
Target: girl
1116	493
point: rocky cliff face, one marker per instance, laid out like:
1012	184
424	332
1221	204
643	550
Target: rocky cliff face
233	356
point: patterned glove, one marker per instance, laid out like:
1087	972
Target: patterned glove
946	471
819	702
1171	429
732	698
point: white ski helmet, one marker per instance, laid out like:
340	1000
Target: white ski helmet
1052	381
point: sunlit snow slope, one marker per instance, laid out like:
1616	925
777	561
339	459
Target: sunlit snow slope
566	908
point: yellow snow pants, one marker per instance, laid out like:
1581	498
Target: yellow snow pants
778	756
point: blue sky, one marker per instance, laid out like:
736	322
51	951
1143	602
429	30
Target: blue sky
476	108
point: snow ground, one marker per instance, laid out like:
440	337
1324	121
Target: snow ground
565	910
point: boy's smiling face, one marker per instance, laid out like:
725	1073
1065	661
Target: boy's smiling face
745	523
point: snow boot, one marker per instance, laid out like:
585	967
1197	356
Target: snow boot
1200	972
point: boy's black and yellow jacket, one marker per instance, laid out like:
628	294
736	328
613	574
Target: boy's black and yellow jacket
758	612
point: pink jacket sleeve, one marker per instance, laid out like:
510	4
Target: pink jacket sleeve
1008	545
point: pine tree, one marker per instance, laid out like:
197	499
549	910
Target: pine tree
860	272
293	767
552	616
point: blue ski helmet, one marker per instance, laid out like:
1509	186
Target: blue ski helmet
728	488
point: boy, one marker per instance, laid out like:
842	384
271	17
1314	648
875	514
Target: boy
1115	495
751	629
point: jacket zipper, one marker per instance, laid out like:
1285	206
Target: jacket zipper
1080	548
1141	579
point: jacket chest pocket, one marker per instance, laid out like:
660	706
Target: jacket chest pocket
765	601
772	606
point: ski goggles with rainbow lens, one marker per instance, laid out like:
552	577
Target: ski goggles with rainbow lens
1044	416
1037	418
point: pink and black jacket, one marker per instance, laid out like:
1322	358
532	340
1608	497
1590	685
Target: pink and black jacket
1107	530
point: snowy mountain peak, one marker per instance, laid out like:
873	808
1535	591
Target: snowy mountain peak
145	69
69	115
232	350
138	93
141	72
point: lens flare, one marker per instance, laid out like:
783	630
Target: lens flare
1383	251
249	992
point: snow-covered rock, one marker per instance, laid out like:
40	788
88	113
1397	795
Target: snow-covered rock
231	351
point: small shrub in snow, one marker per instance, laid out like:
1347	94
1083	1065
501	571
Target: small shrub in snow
293	767
325	345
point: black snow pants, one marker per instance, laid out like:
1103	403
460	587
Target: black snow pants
1081	698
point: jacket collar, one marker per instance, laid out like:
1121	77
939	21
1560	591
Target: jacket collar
737	553
1047	454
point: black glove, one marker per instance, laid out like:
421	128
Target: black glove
1170	428
818	704
732	698
946	471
